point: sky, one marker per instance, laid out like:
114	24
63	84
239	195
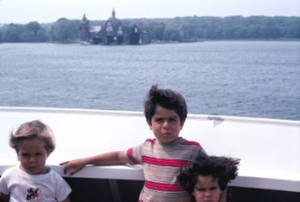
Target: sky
44	11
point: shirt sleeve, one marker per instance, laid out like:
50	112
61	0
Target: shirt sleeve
199	151
63	189
134	155
3	184
203	152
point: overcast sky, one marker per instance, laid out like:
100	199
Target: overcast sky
24	11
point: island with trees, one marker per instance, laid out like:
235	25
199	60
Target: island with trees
179	29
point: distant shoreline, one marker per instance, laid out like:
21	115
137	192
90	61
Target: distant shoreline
155	42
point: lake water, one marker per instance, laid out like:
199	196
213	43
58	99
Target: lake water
252	79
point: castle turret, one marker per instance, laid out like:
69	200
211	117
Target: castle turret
84	29
113	14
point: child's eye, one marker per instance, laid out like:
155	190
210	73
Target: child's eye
173	120
214	188
159	120
25	155
201	189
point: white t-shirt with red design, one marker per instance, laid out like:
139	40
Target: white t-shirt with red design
22	186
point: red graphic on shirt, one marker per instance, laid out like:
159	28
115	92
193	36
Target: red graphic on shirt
33	194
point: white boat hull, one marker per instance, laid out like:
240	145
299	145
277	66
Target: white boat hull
269	149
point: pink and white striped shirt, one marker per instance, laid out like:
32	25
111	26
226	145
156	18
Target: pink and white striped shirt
161	165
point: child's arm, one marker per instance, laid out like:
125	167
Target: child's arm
66	200
111	158
3	197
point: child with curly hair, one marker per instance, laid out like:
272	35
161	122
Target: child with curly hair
207	177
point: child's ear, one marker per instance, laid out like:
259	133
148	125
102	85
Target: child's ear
18	155
149	124
182	124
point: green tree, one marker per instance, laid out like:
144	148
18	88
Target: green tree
292	29
1	36
13	33
65	30
171	35
33	32
157	31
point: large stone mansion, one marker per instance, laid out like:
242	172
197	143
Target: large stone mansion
113	32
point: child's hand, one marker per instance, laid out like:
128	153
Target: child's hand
76	165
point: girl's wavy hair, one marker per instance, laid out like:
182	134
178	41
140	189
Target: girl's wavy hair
165	98
223	169
32	130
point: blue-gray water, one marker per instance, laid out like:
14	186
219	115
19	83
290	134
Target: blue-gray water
252	79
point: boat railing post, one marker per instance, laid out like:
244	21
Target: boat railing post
114	190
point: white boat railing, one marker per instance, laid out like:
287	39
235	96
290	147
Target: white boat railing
269	149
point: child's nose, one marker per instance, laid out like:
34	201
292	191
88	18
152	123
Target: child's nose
207	193
166	124
32	159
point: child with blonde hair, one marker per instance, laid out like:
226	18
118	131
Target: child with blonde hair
32	180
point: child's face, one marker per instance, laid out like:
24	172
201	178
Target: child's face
32	156
165	124
207	189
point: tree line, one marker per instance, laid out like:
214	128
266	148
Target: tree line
181	29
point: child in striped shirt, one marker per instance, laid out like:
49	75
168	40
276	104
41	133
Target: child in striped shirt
162	157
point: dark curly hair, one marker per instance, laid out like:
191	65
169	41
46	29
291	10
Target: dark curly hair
224	169
165	98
